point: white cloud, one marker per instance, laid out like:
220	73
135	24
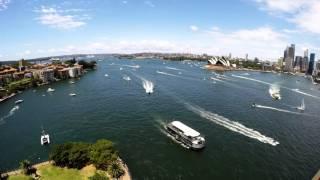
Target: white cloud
59	19
263	42
194	28
304	14
4	4
149	3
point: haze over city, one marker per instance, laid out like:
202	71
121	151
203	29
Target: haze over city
261	28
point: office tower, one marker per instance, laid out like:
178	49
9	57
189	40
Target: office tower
289	58
311	64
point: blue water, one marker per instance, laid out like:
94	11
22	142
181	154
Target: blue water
242	142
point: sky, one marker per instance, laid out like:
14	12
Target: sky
261	28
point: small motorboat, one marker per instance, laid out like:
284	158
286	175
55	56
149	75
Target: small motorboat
72	94
71	82
19	101
50	90
253	105
45	138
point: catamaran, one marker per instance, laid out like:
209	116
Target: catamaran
185	135
45	138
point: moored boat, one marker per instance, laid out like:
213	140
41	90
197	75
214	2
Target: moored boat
185	135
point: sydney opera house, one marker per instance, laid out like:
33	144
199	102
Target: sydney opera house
219	64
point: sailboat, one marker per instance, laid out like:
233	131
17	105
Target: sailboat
302	107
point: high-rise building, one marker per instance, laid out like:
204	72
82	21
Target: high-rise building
298	64
311	64
306	53
289	58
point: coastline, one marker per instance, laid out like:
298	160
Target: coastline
125	176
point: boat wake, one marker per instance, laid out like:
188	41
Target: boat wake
276	109
216	79
148	86
173	68
168	74
127	78
12	111
266	83
251	79
304	93
231	125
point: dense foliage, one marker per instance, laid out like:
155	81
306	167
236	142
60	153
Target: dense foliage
115	170
98	176
87	65
26	167
78	155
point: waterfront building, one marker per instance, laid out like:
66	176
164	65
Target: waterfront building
298	64
311	64
6	75
63	73
45	75
289	58
304	64
75	71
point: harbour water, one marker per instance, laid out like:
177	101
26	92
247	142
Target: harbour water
271	141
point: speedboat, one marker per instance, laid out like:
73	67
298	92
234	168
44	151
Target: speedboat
19	101
185	135
72	94
50	90
45	138
253	105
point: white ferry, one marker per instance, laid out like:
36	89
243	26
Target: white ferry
185	135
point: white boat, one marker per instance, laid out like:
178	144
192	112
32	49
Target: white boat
72	94
274	92
302	107
71	82
185	135
19	101
50	90
45	138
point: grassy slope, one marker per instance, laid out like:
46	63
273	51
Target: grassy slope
19	177
50	172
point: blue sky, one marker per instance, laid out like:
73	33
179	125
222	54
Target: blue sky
261	28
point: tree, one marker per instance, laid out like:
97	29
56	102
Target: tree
72	155
115	170
26	167
87	65
102	153
98	176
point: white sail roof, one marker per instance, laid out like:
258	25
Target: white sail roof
186	130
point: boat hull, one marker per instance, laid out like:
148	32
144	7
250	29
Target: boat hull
183	141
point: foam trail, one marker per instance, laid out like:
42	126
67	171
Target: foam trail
168	74
127	78
231	125
303	93
276	109
125	65
251	79
12	111
216	79
173	68
263	82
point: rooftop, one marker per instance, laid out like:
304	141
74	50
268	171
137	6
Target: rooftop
186	130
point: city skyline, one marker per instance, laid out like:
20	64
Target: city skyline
260	28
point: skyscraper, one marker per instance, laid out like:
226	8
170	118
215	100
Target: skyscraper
311	64
289	58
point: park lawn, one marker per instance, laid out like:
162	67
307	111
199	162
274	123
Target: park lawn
19	177
50	172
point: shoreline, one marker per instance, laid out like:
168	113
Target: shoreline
125	176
